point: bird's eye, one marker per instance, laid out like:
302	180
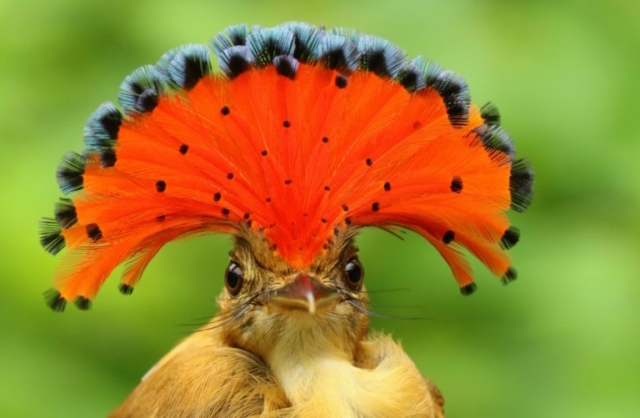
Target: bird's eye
233	278
355	274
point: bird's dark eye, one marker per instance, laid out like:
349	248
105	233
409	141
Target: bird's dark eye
233	278
355	274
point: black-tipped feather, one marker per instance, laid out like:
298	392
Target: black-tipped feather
54	300
495	140
510	238
102	127
490	114
70	172
65	213
521	185
468	289
286	66
455	93
125	289
82	303
50	236
509	276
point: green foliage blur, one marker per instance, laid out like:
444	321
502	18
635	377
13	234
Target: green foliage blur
561	341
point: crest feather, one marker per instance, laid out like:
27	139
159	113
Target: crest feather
305	131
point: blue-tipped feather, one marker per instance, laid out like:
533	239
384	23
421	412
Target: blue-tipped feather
307	40
411	77
380	56
339	53
430	69
234	61
266	44
189	65
140	91
102	127
349	34
232	36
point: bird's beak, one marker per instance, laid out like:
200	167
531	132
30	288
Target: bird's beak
304	293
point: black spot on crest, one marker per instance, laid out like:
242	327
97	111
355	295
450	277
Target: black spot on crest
347	221
325	139
341	81
345	208
230	176
288	182
225	110
161	186
387	186
247	215
323	220
184	148
264	153
217	196
375	206
327	188
448	237
225	212
369	162
94	232
456	184
286	124
160	218
268	200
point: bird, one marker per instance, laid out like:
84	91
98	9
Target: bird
302	138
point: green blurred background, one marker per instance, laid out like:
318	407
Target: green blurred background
562	341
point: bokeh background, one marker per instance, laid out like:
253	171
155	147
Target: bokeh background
562	341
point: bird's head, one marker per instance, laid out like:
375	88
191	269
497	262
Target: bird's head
265	297
307	136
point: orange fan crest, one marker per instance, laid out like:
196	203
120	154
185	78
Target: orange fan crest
305	131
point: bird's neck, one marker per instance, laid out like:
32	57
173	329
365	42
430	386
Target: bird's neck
301	359
321	378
